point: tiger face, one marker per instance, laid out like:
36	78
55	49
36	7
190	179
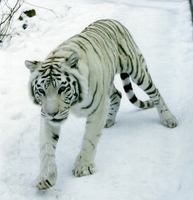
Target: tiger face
54	90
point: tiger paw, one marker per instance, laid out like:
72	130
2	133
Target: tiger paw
109	123
47	178
168	119
83	169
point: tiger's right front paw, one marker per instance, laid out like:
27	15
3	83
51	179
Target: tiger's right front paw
47	178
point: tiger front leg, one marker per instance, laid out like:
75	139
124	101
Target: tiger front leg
84	164
49	136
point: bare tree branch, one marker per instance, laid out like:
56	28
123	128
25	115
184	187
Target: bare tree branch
6	15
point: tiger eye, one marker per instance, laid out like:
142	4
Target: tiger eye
41	91
61	90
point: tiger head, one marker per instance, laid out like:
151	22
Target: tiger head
55	89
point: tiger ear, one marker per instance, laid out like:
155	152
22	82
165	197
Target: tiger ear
32	65
72	60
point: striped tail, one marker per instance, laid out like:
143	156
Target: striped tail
131	95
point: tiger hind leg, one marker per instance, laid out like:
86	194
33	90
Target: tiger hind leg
146	84
115	100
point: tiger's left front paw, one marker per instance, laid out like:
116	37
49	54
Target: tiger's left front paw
82	169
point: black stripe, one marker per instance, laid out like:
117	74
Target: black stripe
58	78
81	45
153	92
141	80
156	102
79	92
45	76
56	75
57	69
47	183
123	50
124	76
133	99
43	71
120	63
131	64
55	137
128	87
119	94
142	104
109	27
137	68
92	98
149	86
112	104
113	97
96	107
90	44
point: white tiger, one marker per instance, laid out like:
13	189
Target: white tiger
78	76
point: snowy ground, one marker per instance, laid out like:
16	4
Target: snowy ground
138	158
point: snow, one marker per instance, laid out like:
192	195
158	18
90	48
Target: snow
137	158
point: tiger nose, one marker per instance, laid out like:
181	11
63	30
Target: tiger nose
53	114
